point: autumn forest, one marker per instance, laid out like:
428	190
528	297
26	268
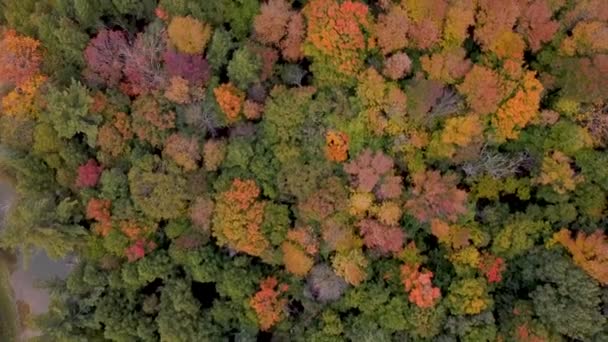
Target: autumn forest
311	170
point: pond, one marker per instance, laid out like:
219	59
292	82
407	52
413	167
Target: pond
25	278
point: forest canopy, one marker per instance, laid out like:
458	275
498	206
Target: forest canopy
311	170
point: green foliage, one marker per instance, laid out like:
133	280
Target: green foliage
244	68
197	239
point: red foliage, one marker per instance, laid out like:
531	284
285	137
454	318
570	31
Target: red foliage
371	169
493	19
271	24
88	174
104	56
192	67
481	87
391	30
267	303
20	57
397	66
143	65
492	267
535	23
291	45
139	249
385	239
435	196
419	285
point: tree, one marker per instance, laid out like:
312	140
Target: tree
272	22
351	266
418	285
238	217
143	62
183	150
468	296
519	110
20	57
556	171
493	19
448	66
192	67
68	112
244	68
482	89
589	252
324	285
24	102
105	57
214	152
268	304
88	174
536	25
299	249
150	120
336	146
230	99
374	172
397	66
385	239
336	36
391	30
436	196
189	35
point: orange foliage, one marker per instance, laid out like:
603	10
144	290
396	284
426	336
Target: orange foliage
230	99
391	30
20	57
435	196
589	252
133	230
267	303
99	210
238	217
253	110
462	130
337	30
519	110
178	90
418	284
336	146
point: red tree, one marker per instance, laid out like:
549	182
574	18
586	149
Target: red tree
385	239
88	174
193	68
104	56
435	196
20	57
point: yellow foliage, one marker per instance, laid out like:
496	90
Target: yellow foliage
556	171
462	130
189	35
351	266
295	259
22	103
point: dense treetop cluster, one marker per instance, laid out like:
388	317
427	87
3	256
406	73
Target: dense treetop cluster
321	170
